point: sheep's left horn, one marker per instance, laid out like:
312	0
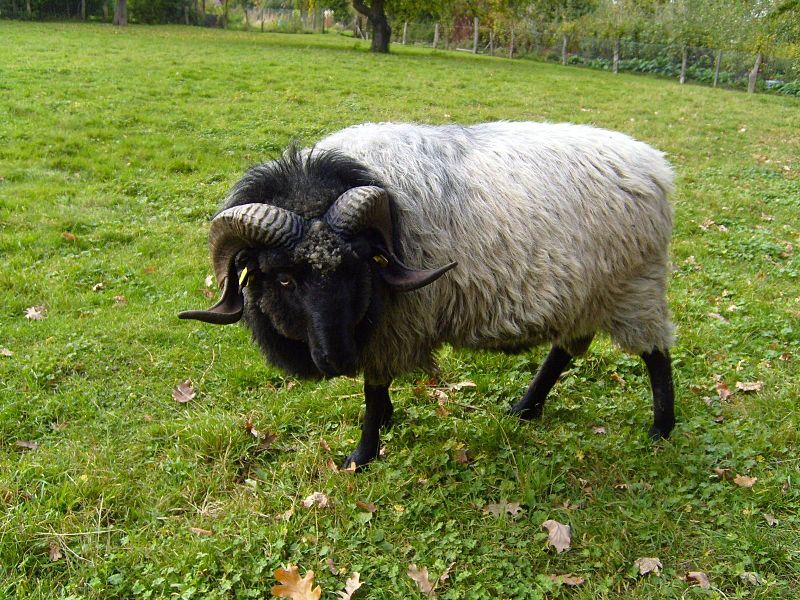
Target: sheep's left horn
232	230
367	207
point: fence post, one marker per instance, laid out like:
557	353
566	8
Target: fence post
435	35
475	35
405	32
684	60
616	55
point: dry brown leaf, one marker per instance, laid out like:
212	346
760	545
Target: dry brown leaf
440	397
332	466
718	317
462	457
723	391
55	551
420	577
745	481
445	574
36	313
97	287
724	474
751	578
350	586
184	392
293	586
503	507
750	386
698	578
559	535
599	430
286	515
618	378
200	531
69	236
648	565
442	411
331	566
771	520
6	352
463	385
317	498
785	356
324	445
570	580
120	299
26	444
366	506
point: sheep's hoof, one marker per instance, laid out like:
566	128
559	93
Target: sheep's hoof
357	461
657	433
525	411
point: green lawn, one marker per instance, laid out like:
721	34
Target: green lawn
115	148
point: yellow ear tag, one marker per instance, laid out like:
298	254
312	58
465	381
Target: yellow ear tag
243	278
382	261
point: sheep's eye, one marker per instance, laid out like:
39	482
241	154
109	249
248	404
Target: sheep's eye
286	280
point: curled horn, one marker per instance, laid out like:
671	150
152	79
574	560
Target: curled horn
232	230
367	207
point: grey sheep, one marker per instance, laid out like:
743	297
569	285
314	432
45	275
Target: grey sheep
521	233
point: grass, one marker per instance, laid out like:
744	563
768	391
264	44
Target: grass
115	148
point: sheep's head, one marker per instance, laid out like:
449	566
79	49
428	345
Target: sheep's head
311	290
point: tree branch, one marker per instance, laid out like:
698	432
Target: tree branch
362	8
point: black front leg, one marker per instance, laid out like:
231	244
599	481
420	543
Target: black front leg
659	368
532	403
378	414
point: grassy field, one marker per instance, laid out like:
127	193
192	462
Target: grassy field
115	148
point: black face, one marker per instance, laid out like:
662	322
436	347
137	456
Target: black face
311	316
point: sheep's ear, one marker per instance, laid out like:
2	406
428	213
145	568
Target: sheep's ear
401	278
228	310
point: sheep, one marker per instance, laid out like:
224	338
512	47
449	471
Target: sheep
520	233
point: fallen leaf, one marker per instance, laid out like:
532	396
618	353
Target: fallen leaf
723	391
6	352
770	519
745	481
719	419
55	551
200	531
208	293
184	392
621	486
286	515
559	535
648	565
324	445
463	385
420	577
150	269
367	506
698	578
36	313
718	317
570	580
503	507
751	578
293	586
599	430
445	574
98	287
462	457
332	466
209	281
69	236
785	356
440	397
350	587
724	474
26	445
442	411
120	299
750	386
618	378
332	567
585	486
317	498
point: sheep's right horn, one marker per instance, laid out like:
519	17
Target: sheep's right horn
232	230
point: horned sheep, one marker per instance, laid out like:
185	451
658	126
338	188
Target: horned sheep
519	233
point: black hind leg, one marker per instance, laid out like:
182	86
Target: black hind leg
557	360
659	368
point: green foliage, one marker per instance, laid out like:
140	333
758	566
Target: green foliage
155	11
127	139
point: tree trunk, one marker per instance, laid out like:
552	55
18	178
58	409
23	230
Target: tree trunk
405	32
105	11
684	60
83	9
753	77
121	13
28	8
186	13
615	67
381	32
511	45
475	36
246	19
491	42
225	15
262	17
564	40
203	12
435	35
716	67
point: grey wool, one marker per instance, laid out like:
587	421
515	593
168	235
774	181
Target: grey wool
559	231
